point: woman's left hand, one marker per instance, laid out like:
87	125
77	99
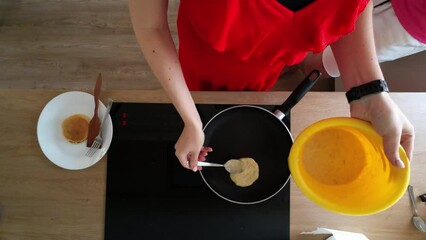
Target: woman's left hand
389	122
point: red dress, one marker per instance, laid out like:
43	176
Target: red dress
241	45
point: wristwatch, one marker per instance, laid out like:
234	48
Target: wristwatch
360	91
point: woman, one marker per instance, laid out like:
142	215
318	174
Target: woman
244	45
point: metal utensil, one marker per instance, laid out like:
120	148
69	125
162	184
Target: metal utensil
417	220
232	165
94	124
97	143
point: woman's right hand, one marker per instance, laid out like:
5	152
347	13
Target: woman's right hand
189	147
149	19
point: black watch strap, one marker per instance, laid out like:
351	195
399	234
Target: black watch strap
360	91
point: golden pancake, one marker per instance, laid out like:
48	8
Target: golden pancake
75	128
249	174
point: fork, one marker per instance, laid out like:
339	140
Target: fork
97	143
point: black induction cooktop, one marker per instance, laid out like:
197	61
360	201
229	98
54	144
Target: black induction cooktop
150	196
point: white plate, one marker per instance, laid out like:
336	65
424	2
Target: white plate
49	130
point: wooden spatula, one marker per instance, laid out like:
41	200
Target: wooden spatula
95	123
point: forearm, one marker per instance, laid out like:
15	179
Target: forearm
163	60
356	55
156	43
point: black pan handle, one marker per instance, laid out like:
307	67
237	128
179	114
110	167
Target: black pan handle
297	94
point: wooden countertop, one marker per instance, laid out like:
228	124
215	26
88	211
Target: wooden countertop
39	200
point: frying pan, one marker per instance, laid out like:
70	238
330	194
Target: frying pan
251	131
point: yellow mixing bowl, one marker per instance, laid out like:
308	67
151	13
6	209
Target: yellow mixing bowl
340	165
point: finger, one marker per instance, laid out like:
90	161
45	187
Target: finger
207	149
204	152
183	159
391	146
407	142
202	157
407	139
193	161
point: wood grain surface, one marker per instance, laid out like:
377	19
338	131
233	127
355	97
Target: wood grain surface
64	44
39	200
